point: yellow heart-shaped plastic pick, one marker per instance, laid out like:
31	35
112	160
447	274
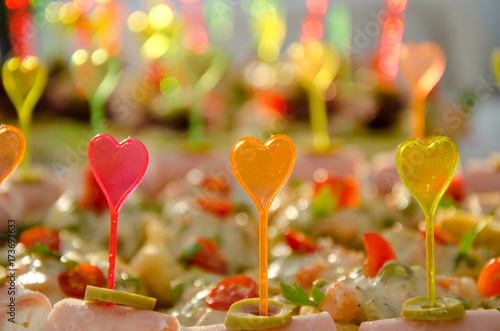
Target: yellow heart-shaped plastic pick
495	65
24	82
263	168
12	147
427	169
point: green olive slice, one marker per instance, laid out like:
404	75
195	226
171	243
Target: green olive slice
3	276
446	308
120	298
244	315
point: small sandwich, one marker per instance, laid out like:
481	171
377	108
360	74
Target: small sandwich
484	320
21	309
96	313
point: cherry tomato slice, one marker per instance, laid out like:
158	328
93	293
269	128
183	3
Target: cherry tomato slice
42	236
218	207
215	184
92	197
488	282
231	290
73	282
207	256
378	251
343	187
298	241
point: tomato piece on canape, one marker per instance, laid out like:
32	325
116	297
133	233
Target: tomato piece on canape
92	197
299	242
231	290
42	236
217	206
205	254
488	282
378	252
215	184
343	187
73	282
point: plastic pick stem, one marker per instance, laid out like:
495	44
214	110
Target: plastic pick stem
427	170
118	169
422	65
262	169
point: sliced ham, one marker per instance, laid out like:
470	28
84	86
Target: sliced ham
314	322
73	314
482	175
27	311
484	320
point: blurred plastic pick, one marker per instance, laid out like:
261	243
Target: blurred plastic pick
427	170
118	169
262	169
318	66
96	76
24	81
12	147
495	65
422	65
204	71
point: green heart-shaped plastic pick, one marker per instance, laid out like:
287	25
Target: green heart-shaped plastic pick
427	169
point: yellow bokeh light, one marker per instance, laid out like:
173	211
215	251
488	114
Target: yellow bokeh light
269	51
138	21
69	13
29	63
52	11
13	63
80	56
156	46
160	17
99	56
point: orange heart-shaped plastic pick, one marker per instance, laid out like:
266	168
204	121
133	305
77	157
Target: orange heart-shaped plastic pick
495	65
422	65
427	169
263	168
12	146
24	82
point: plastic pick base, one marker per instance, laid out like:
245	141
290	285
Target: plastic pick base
120	298
446	308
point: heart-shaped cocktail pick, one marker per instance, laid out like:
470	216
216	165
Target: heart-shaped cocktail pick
318	66
204	72
427	169
24	81
118	169
422	65
262	169
96	76
12	146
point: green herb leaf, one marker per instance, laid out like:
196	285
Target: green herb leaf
189	252
296	296
470	237
317	295
44	251
323	203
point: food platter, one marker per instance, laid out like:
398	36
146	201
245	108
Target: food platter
303	189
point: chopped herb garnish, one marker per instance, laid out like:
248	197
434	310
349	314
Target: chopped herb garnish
470	237
44	251
297	296
189	252
323	203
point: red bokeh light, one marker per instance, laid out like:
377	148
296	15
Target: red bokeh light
14	4
196	40
317	7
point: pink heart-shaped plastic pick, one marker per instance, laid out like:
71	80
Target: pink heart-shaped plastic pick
118	168
12	146
422	65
